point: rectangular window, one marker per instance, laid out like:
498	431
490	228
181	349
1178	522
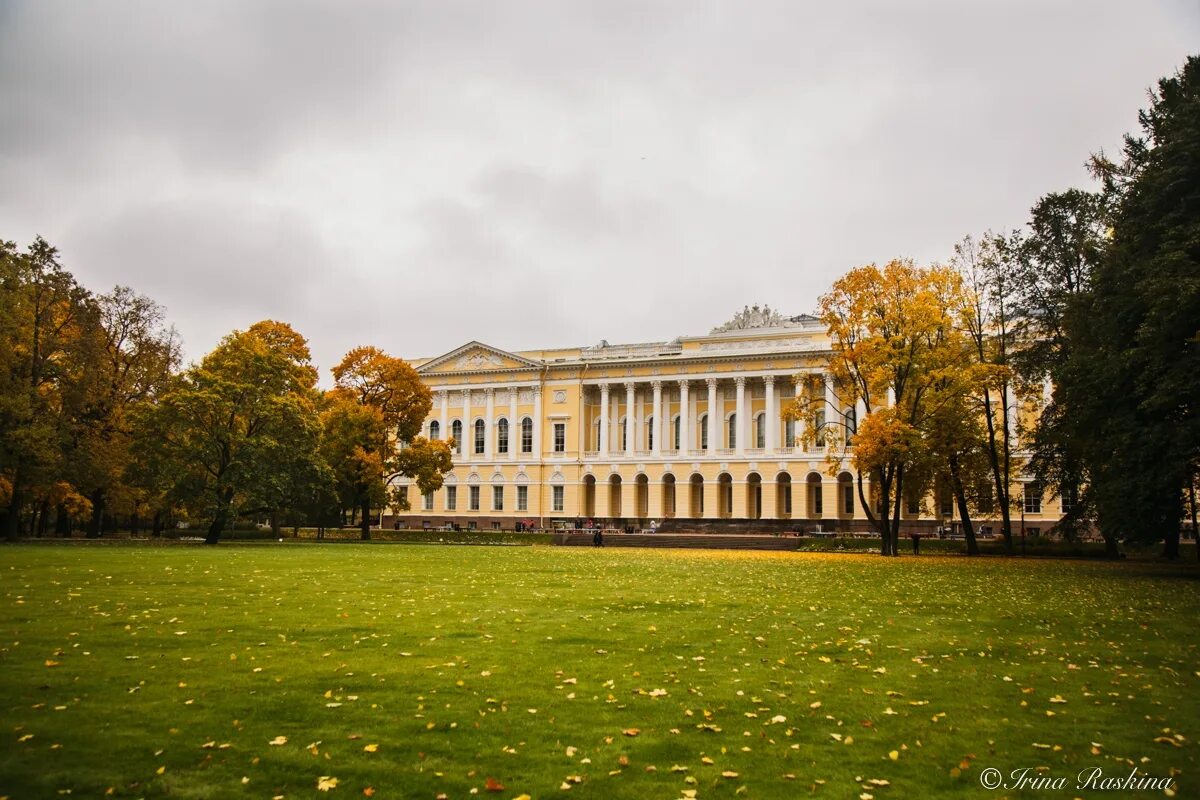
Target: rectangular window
428	501
914	505
947	505
403	497
787	498
480	434
818	502
557	495
495	526
451	498
526	436
497	498
474	498
560	437
522	498
677	426
1033	498
1069	498
848	499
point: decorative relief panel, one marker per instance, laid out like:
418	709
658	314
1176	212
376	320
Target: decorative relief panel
479	358
525	396
760	344
560	396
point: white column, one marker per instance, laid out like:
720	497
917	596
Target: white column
660	430
860	412
713	413
772	417
639	419
444	399
604	412
798	425
891	397
537	422
740	406
514	430
614	425
630	431
489	424
468	430
685	429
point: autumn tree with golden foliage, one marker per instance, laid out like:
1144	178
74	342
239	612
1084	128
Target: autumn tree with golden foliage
370	432
898	350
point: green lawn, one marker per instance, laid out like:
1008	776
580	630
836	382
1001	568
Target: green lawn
422	670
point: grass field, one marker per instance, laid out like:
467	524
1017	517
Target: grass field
418	671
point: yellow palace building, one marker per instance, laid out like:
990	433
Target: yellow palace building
684	431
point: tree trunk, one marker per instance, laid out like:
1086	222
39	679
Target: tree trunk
96	524
1111	548
365	522
220	518
156	526
134	523
276	532
1171	543
43	518
15	502
960	495
62	521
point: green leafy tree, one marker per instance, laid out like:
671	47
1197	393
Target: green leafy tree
239	431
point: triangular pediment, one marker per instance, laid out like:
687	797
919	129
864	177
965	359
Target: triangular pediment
477	357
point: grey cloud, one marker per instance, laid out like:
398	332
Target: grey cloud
542	173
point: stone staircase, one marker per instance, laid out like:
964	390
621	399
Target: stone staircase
737	541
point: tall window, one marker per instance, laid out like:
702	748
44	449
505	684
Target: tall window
786	491
625	434
435	430
1033	498
851	424
650	433
451	498
678	427
557	498
522	498
427	500
820	426
527	435
1069	498
789	433
502	436
597	426
818	502
480	435
560	437
732	431
497	498
848	498
760	430
704	431
403	497
474	493
456	434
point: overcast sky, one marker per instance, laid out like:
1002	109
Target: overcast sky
417	175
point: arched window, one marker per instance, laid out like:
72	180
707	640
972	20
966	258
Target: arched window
502	436
760	430
704	431
480	436
678	424
435	430
650	433
732	431
527	435
789	433
456	434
